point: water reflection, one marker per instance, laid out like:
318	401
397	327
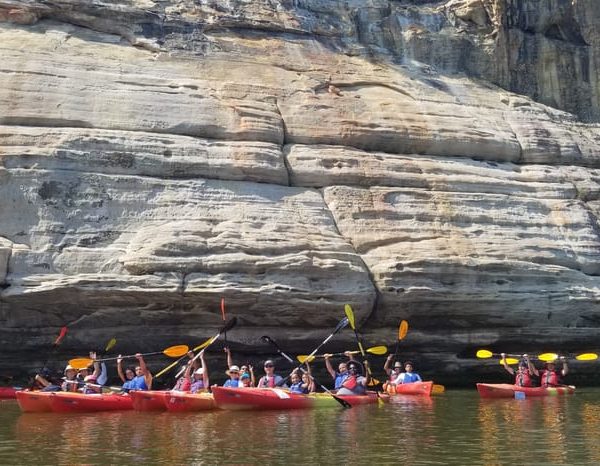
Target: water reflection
455	429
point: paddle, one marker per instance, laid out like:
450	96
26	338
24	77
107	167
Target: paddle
223	315
228	326
344	403
350	315
402	331
438	389
378	350
551	357
171	351
486	354
55	345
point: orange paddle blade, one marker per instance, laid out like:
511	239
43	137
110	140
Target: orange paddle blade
402	330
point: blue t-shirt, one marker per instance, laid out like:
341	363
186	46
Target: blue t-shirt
232	383
411	377
138	383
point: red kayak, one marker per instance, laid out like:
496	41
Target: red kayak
185	401
505	390
415	388
277	398
66	402
34	402
148	400
9	393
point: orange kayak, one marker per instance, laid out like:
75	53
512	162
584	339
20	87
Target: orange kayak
148	400
186	401
415	388
66	402
34	402
505	390
9	393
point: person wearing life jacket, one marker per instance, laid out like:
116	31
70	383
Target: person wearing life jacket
408	376
142	379
90	385
247	372
341	374
550	377
126	376
199	380
270	379
183	383
302	381
524	373
355	383
234	377
245	381
70	381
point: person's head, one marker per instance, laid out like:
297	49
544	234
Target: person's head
246	380
233	372
305	378
70	372
550	366
83	373
130	372
295	377
269	367
343	367
354	368
408	366
138	371
397	367
198	373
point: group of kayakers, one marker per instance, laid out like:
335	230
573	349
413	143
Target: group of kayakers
527	374
350	378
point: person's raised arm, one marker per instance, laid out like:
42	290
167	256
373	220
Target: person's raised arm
97	369
509	369
367	372
120	369
146	373
205	378
530	366
328	365
350	355
386	366
229	358
565	368
252	378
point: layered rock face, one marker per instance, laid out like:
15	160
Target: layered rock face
437	162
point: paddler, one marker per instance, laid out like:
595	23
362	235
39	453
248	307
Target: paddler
342	373
395	372
355	383
408	376
525	371
142	379
550	377
270	379
199	380
70	381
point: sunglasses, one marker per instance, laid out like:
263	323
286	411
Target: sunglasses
269	365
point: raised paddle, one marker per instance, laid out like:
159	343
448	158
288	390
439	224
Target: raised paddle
171	351
378	350
228	326
55	345
402	331
224	319
267	339
350	315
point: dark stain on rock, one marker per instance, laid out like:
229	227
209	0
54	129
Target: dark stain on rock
50	190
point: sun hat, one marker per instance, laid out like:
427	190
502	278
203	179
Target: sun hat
233	369
245	375
69	368
398	364
269	362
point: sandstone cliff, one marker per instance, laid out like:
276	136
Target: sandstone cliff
431	161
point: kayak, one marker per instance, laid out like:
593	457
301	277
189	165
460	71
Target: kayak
9	393
176	401
505	390
34	402
66	402
277	398
416	388
148	400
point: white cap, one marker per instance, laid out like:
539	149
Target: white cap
199	371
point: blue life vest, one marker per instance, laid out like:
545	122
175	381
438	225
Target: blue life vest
297	388
340	378
138	383
411	378
231	383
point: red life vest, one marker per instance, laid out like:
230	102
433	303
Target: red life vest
523	379
550	379
267	381
350	383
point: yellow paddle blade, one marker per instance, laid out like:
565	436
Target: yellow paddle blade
350	315
484	354
379	350
380	402
81	363
112	342
176	351
548	357
402	330
373	382
305	358
586	357
438	389
509	361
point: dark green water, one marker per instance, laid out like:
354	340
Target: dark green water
457	428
